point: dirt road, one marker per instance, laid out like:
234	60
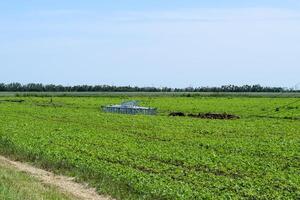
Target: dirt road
63	183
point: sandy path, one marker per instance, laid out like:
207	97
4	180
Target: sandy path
63	183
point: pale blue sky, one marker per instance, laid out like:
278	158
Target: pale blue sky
171	43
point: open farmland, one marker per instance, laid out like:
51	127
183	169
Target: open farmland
162	157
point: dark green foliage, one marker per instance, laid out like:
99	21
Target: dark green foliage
37	87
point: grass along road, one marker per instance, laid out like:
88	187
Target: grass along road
15	185
20	181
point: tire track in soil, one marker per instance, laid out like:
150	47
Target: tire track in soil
63	183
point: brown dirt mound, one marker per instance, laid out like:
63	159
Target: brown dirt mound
214	116
206	115
174	114
12	100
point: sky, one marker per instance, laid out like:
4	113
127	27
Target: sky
172	43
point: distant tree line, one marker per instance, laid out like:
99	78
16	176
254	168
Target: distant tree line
38	87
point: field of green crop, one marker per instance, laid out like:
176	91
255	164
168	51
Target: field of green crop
162	157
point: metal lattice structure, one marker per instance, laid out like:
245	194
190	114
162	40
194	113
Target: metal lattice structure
129	107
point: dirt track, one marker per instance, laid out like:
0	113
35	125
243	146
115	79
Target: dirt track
63	183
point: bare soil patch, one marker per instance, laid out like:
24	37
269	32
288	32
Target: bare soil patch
13	100
214	116
179	114
223	116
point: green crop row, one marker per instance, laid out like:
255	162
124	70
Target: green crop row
162	157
